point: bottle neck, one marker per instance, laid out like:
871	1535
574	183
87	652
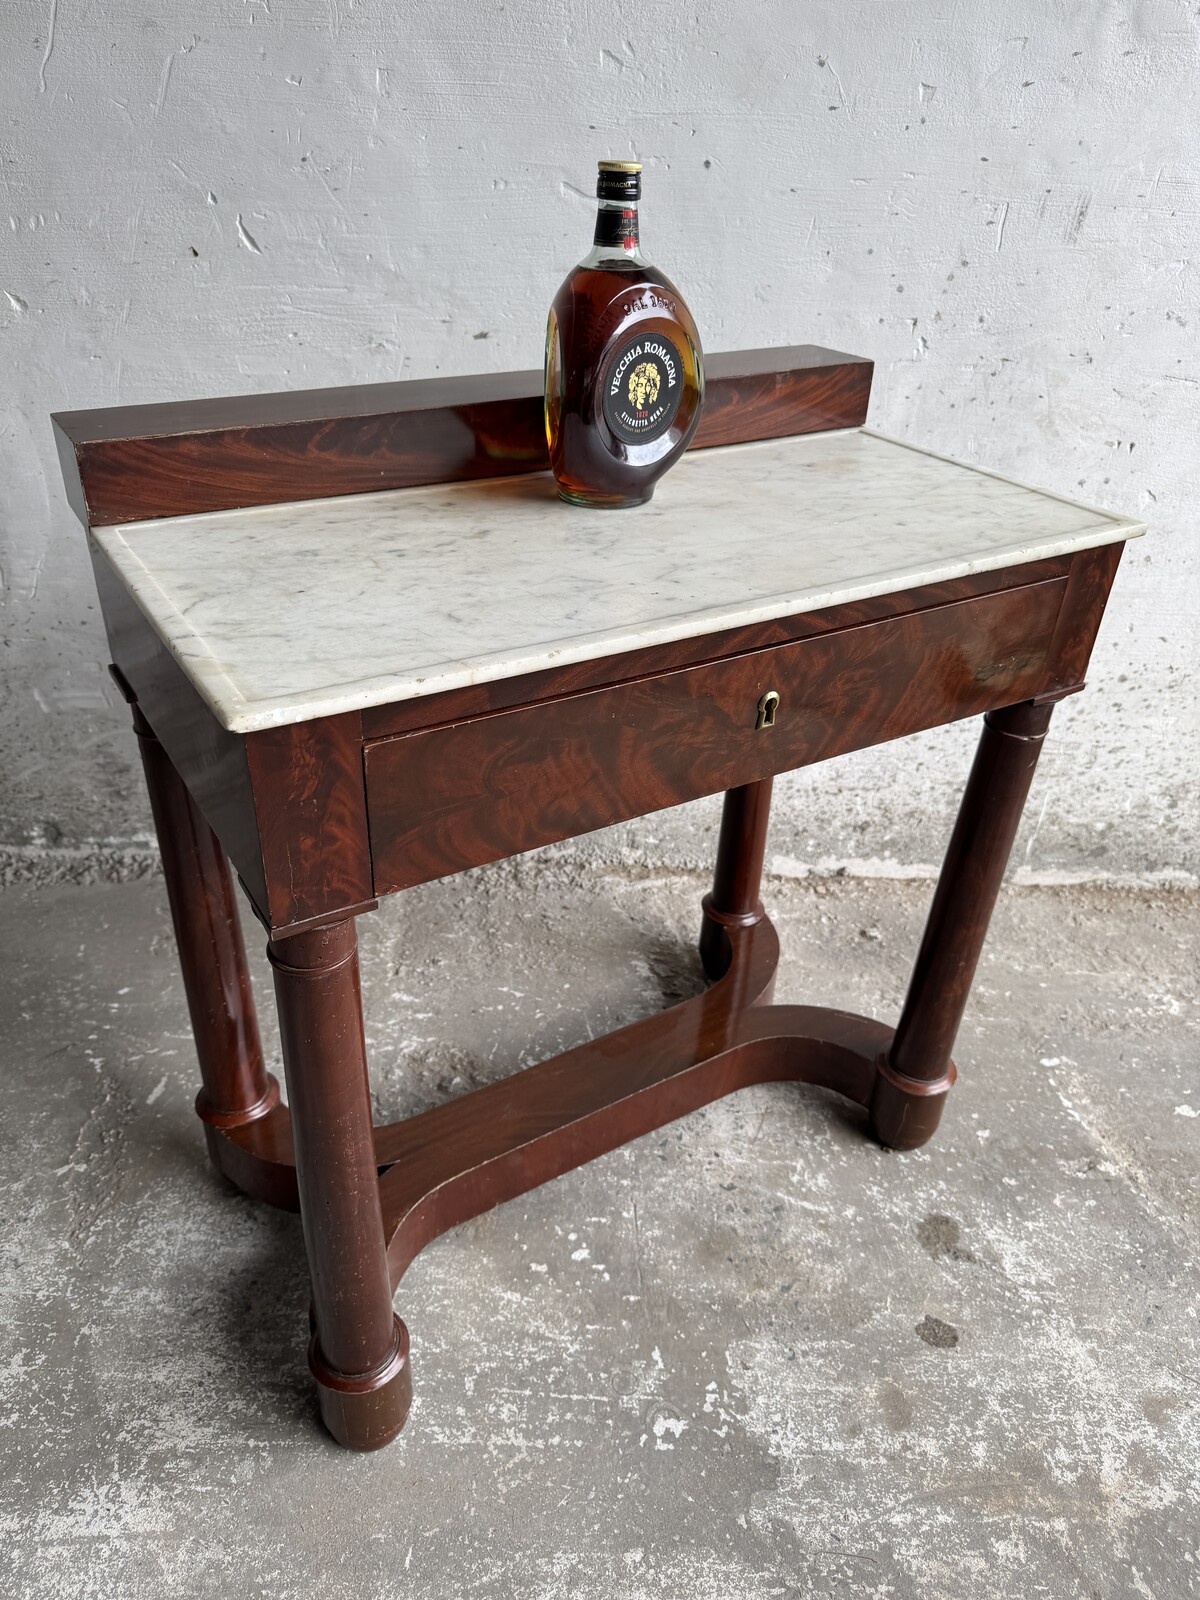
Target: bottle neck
616	238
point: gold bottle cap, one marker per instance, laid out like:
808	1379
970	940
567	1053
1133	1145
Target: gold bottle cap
619	166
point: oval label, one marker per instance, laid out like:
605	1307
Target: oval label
642	388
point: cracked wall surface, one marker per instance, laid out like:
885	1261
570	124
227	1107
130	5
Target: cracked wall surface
996	204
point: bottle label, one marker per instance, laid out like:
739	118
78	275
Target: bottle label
643	386
616	230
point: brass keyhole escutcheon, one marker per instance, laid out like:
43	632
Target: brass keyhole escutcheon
768	705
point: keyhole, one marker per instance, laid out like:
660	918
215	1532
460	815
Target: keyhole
768	705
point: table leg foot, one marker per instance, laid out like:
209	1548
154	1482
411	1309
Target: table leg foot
905	1112
358	1351
365	1411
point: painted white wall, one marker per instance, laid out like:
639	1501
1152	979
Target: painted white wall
997	203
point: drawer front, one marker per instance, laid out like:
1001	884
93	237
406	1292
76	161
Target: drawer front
442	799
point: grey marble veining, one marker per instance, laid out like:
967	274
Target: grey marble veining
286	612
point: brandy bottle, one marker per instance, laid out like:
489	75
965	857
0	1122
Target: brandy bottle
624	368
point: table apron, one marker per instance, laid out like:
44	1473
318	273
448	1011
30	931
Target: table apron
446	798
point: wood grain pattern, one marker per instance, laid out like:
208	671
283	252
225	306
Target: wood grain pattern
769	394
1091	579
456	705
127	463
310	802
477	791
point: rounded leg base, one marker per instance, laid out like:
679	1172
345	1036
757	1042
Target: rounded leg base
214	1118
715	927
905	1112
367	1410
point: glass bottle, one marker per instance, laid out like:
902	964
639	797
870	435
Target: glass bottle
624	367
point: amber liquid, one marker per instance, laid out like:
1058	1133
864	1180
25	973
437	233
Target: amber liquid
596	309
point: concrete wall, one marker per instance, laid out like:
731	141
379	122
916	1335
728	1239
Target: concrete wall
998	203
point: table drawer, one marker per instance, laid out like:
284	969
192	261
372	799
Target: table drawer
445	798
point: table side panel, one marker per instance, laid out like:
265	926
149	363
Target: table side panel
312	818
457	796
1091	580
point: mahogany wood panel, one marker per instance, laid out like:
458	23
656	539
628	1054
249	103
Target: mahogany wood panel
769	394
477	791
474	699
127	463
1091	579
310	802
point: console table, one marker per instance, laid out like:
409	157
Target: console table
366	646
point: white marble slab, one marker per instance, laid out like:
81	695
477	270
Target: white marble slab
286	612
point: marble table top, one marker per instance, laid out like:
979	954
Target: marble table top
286	612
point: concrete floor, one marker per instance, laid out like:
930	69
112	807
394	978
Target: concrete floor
751	1355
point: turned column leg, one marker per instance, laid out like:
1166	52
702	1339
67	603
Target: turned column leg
916	1072
359	1348
734	901
236	1086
